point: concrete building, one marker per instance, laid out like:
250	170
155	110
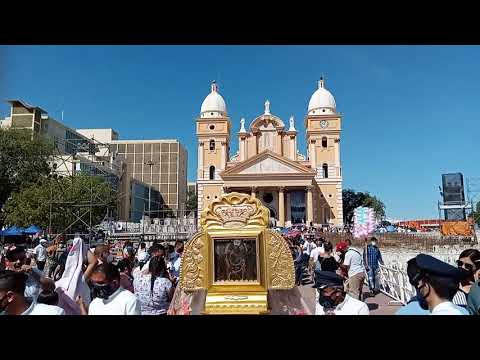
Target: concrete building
296	188
159	163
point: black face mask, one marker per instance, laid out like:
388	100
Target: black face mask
326	301
103	291
421	299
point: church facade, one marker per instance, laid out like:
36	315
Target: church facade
295	188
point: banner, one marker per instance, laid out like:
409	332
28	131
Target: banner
363	222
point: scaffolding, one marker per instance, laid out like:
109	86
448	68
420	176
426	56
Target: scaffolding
66	155
473	196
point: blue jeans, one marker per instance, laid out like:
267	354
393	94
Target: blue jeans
372	273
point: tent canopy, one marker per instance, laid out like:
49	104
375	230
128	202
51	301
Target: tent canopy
13	231
32	229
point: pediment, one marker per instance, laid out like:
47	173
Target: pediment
268	163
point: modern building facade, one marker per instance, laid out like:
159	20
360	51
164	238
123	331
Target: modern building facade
159	163
296	188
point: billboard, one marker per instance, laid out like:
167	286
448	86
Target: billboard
453	192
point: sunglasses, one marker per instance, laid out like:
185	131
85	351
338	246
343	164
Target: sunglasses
466	266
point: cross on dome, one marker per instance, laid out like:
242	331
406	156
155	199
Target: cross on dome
267	108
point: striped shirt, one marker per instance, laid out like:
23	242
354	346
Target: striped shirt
460	298
373	256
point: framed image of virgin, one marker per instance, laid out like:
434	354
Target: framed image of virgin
236	260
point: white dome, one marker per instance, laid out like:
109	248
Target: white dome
214	103
322	101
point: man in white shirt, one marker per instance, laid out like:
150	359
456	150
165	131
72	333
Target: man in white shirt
436	283
40	253
316	253
109	297
13	300
332	298
353	265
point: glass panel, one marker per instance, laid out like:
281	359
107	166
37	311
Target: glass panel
148	148
121	148
164	148
164	157
156	158
130	148
173	158
139	148
164	178
156	148
172	188
235	260
174	147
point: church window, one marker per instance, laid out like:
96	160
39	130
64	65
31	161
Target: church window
324	142
212	127
212	172
212	144
325	171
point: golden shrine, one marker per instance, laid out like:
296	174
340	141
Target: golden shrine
235	258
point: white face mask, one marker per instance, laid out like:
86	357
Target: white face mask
110	259
374	243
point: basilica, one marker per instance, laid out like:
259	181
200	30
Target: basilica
296	188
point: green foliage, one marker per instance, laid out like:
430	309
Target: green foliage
67	198
192	201
352	200
23	160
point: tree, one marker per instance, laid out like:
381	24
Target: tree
352	200
476	214
192	201
64	203
23	160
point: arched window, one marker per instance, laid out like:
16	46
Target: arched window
324	142
212	172
212	144
325	171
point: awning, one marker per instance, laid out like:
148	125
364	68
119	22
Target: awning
13	231
32	229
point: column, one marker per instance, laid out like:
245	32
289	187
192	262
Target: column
222	165
281	206
337	156
242	148
292	147
253	193
309	205
200	160
289	214
313	160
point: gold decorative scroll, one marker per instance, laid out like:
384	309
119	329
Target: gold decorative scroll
193	268
234	210
279	262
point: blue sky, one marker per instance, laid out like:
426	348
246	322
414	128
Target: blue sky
410	113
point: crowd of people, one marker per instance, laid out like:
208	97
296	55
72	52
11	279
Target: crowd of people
339	275
97	280
93	281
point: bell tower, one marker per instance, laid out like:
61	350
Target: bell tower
213	134
323	127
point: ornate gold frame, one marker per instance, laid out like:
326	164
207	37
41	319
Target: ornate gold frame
236	215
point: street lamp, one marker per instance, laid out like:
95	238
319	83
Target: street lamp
149	163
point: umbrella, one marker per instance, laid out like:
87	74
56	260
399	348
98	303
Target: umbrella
13	231
32	229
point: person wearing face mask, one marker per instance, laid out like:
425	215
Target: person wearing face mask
467	260
16	260
176	261
436	282
372	258
110	297
473	298
332	298
13	300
